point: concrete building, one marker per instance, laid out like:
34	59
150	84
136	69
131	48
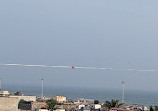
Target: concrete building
32	106
86	108
78	107
26	106
119	109
42	110
97	106
61	99
67	106
78	102
59	110
26	98
4	93
8	104
38	105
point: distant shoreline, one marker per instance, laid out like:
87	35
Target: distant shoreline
131	96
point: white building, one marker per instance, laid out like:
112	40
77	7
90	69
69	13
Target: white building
97	106
43	110
4	93
80	106
59	110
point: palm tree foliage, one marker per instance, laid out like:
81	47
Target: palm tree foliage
18	93
151	108
112	103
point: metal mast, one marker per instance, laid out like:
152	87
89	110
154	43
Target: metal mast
0	84
42	89
123	97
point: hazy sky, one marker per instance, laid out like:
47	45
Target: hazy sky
94	33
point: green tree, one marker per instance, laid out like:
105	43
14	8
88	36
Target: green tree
51	104
112	103
22	101
151	108
18	93
156	108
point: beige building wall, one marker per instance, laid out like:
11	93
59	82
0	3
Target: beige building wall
67	107
26	98
37	105
61	99
8	104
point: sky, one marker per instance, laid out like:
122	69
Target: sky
90	33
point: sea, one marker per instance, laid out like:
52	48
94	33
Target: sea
132	97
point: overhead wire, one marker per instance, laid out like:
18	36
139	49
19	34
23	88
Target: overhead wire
77	67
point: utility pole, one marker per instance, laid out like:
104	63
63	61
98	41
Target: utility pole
42	89
0	84
123	97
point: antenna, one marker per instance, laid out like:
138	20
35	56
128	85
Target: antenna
0	84
42	88
123	85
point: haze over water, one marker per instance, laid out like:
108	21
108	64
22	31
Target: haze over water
131	96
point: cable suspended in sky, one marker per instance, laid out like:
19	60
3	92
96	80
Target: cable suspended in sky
75	67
